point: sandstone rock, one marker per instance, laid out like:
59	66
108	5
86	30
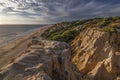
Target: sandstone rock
97	54
49	62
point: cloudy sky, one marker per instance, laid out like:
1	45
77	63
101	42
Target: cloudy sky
53	11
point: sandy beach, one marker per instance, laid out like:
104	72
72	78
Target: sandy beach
16	47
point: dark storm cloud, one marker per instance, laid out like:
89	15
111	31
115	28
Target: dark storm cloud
60	10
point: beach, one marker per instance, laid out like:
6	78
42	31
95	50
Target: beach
14	48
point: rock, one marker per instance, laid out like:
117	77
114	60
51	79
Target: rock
50	62
97	54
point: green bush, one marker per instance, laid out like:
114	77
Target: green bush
104	23
108	29
116	18
66	36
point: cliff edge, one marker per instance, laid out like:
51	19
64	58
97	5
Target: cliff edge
46	60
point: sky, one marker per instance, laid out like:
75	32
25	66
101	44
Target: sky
54	11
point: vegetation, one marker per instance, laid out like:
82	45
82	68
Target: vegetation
116	18
104	23
67	31
108	29
66	36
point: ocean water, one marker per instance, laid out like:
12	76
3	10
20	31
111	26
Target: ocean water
11	32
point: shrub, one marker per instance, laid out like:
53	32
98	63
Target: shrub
108	29
96	20
116	18
66	36
104	23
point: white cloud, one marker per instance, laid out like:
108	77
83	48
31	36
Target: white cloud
49	11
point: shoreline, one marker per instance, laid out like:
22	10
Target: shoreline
22	36
17	46
18	36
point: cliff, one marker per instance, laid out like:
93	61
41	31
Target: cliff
78	50
95	46
46	60
97	54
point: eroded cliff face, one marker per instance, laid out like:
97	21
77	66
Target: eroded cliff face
46	60
97	54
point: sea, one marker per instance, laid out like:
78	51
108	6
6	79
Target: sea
12	32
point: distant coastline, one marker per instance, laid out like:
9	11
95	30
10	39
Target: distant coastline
11	32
